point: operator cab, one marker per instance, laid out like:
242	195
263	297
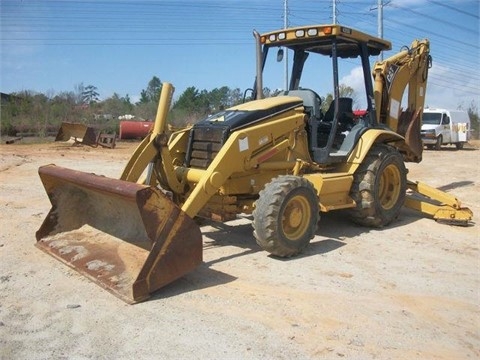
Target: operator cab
331	128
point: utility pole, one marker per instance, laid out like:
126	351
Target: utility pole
380	23
379	8
285	25
334	11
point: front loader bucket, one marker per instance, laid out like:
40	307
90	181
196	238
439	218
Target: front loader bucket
130	239
81	133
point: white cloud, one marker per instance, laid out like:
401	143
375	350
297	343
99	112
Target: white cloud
355	80
440	91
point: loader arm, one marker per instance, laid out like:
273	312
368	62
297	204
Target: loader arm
145	153
391	77
245	149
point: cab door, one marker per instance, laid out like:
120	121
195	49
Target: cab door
446	129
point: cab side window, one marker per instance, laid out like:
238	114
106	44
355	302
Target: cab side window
445	119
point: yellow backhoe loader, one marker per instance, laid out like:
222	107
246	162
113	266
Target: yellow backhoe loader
281	159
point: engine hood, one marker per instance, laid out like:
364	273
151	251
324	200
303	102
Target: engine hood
245	114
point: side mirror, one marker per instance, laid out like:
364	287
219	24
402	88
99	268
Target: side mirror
280	55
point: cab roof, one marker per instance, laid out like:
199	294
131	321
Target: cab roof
319	39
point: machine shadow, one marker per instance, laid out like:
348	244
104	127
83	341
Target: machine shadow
200	278
334	230
214	235
456	185
453	148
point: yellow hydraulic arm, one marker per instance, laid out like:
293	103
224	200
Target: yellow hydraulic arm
408	67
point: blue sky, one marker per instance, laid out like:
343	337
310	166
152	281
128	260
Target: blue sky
119	45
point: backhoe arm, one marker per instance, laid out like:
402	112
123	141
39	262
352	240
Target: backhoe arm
410	68
407	68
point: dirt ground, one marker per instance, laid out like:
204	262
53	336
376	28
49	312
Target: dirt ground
409	291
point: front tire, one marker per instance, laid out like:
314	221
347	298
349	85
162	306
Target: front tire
286	216
379	187
438	144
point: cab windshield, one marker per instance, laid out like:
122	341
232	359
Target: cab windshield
432	118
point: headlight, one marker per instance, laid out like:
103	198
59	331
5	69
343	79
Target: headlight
300	33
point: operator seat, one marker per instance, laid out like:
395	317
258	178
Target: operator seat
345	122
345	113
311	101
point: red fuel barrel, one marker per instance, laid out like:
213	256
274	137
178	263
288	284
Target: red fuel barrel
134	129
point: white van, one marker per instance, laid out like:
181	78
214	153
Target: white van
443	127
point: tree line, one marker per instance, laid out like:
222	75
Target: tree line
31	113
28	112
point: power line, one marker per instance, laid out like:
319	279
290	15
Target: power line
440	20
453	8
181	23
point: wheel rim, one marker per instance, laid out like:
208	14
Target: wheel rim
389	187
296	217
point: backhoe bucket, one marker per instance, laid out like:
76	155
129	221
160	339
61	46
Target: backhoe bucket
130	239
81	133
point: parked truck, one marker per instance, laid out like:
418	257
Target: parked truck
444	127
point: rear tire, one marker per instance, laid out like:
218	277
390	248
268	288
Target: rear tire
379	187
438	144
286	216
459	145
